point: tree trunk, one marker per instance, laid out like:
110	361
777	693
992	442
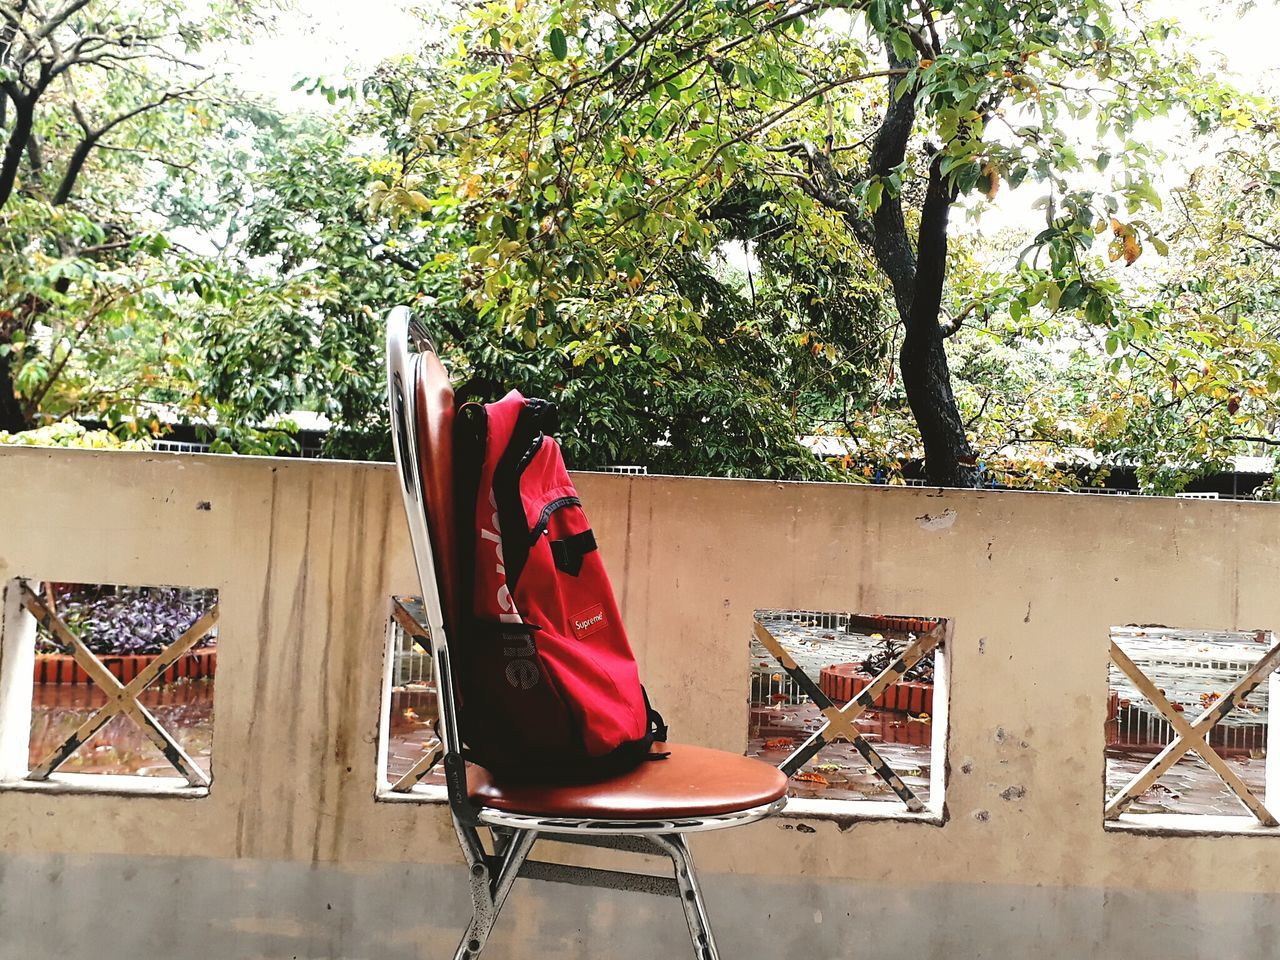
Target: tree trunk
23	121
948	459
12	418
916	277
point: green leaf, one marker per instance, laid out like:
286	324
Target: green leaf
1072	296
902	46
1095	311
559	45
875	192
967	177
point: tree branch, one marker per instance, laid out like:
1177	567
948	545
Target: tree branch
927	14
931	250
890	242
398	259
952	327
1269	244
1268	441
93	135
56	20
23	122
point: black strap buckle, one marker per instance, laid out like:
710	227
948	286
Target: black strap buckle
569	552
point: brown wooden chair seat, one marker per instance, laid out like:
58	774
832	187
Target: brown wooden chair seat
693	782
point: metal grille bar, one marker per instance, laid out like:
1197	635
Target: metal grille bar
1192	736
121	699
410	615
840	722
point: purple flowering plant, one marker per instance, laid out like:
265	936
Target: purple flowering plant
128	620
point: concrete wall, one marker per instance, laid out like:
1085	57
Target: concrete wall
291	856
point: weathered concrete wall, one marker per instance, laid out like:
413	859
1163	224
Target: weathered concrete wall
291	856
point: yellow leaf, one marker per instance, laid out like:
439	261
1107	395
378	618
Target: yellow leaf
992	174
1132	249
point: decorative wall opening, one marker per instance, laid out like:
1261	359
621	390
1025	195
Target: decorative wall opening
409	751
1187	726
851	706
108	686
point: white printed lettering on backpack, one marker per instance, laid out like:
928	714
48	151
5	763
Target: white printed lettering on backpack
589	621
522	671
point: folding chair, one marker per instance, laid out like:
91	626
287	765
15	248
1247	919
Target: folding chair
647	810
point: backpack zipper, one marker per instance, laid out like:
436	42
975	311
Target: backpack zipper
544	517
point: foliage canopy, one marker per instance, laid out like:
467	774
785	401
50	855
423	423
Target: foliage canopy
707	229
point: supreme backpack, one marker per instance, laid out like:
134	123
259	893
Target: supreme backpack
549	685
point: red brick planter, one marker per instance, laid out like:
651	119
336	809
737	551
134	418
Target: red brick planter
871	623
59	668
844	681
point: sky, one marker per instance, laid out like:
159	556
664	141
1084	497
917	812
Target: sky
1240	47
337	38
327	38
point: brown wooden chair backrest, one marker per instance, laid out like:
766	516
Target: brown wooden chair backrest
435	410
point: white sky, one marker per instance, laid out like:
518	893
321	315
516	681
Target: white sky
328	38
1239	48
339	39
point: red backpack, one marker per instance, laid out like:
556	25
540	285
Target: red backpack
549	684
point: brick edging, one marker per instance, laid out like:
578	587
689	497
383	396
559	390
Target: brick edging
62	669
916	625
844	681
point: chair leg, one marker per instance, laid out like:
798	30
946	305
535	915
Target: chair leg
695	909
488	894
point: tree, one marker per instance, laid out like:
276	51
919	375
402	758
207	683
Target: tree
98	103
732	400
590	145
1195	355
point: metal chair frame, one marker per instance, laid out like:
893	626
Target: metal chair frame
493	871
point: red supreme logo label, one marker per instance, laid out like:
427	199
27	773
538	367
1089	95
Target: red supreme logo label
588	621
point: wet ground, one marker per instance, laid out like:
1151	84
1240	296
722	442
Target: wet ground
185	709
839	772
1191	668
782	717
411	732
1190	787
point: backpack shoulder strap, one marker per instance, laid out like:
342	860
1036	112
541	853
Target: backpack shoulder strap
470	429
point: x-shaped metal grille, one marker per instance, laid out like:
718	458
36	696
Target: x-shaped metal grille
1193	735
840	721
411	617
121	698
